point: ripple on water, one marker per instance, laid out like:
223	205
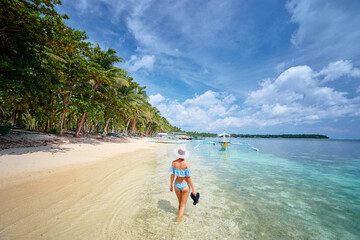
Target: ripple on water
248	195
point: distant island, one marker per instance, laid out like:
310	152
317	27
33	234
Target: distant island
312	136
281	136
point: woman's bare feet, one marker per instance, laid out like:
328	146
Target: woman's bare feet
178	220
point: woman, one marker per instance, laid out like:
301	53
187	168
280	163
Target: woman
181	169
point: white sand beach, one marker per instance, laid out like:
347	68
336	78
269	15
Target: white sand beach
74	190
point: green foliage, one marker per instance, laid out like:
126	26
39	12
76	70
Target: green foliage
53	131
52	78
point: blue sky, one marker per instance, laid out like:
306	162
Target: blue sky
259	66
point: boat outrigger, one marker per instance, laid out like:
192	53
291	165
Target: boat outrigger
225	142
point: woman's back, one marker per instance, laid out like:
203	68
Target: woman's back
180	164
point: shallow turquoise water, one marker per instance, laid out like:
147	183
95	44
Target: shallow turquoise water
291	189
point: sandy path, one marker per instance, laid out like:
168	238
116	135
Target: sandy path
93	201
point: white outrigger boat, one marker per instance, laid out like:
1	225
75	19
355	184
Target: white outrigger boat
225	142
171	138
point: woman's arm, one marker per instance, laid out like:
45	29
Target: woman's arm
189	181
171	182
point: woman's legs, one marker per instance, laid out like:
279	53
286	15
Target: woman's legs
184	195
178	195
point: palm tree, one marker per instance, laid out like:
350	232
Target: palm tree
105	75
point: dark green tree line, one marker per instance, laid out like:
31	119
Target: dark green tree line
52	79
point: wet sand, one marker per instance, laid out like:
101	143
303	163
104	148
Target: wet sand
95	199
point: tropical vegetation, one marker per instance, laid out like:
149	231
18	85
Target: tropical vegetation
54	80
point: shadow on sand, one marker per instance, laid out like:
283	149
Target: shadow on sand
28	150
166	206
19	144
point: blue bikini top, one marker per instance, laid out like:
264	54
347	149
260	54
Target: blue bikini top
180	172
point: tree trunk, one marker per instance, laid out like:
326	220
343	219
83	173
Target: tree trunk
62	122
13	119
106	127
127	127
80	124
87	127
99	128
147	131
91	127
63	115
69	122
19	118
133	126
47	126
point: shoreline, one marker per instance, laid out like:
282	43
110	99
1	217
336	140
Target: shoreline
88	191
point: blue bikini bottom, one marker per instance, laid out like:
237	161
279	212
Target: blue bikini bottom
181	186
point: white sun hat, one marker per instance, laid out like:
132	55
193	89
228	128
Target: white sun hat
181	152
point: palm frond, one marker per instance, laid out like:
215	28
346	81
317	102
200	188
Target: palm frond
56	57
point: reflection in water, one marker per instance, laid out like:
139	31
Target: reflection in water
225	155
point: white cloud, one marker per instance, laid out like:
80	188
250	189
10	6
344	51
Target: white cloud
288	87
295	97
135	63
280	67
322	21
338	69
200	112
146	30
333	130
82	5
210	98
156	99
92	6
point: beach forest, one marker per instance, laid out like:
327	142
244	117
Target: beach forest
53	79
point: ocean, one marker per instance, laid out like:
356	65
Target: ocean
290	189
